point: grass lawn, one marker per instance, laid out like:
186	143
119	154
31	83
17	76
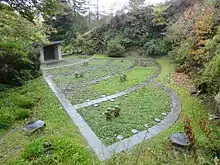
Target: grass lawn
66	146
137	109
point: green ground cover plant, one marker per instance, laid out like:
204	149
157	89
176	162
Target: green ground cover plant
137	109
110	86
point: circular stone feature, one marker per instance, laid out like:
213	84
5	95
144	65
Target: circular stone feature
146	125
157	120
164	114
95	105
120	137
179	139
134	131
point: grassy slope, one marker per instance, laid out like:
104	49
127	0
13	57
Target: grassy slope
58	126
158	150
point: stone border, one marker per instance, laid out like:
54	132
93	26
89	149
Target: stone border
105	152
127	91
80	62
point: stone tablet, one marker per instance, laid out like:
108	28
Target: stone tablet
33	126
179	139
164	114
157	120
95	105
120	137
134	131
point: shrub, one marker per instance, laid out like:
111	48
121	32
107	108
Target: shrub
56	150
211	74
179	55
81	45
23	101
21	114
5	120
10	114
34	150
157	47
18	59
115	49
17	64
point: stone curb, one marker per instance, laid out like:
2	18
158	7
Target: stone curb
56	67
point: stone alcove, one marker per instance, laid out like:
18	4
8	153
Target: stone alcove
51	52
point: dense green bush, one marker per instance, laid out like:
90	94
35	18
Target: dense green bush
157	47
5	120
211	74
19	61
34	150
179	55
114	48
10	114
81	45
17	64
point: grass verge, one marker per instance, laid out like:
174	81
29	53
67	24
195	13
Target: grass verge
59	143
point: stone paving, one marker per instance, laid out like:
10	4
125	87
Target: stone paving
104	152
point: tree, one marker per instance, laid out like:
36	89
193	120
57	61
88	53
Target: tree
78	6
18	59
69	22
135	4
29	9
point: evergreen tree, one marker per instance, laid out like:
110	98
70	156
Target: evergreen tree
135	4
69	22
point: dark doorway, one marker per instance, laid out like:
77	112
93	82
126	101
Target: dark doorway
49	53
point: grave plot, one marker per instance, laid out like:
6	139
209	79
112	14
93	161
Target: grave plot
101	77
124	116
